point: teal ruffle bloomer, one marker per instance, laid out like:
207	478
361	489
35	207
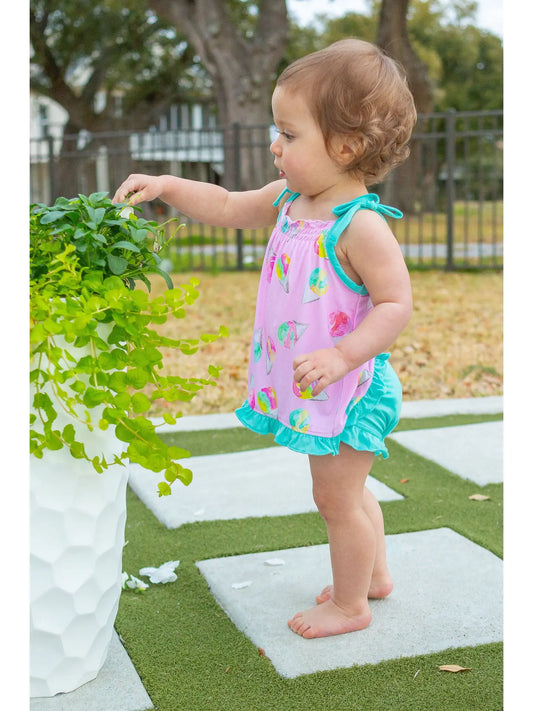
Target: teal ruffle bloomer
368	423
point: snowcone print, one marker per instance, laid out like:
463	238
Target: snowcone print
307	394
317	285
339	324
364	376
291	229
267	401
296	227
299	420
282	271
271	261
257	344
291	331
251	393
271	353
320	245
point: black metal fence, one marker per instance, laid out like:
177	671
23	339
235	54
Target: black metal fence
450	189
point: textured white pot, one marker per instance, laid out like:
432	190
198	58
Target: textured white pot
77	520
77	535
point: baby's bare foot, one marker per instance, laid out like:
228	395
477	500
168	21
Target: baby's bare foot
328	620
378	589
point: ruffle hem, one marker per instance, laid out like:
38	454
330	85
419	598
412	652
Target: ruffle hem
356	432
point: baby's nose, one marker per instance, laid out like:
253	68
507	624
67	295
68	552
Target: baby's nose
275	147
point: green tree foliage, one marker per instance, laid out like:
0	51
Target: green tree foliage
465	63
111	66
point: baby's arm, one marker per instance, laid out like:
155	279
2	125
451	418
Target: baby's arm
375	255
204	202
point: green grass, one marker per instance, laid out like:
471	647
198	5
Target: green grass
190	656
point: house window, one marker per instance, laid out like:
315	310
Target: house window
43	121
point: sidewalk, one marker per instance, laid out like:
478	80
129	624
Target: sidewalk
465	571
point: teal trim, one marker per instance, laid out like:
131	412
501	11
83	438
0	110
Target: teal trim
345	212
332	256
297	441
291	197
368	422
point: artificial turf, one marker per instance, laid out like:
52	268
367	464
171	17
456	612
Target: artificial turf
189	654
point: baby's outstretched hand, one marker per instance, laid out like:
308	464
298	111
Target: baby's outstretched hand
319	368
138	188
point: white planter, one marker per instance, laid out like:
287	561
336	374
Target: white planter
77	535
77	521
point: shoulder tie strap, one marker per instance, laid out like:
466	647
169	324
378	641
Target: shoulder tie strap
347	210
292	196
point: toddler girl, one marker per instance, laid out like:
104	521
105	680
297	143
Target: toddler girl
334	294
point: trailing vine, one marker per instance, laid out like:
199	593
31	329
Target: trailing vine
94	340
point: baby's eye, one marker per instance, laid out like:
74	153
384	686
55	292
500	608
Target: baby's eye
288	136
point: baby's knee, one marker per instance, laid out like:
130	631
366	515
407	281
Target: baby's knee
332	505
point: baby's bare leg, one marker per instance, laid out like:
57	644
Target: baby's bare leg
338	489
381	582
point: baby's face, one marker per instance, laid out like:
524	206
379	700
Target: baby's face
300	152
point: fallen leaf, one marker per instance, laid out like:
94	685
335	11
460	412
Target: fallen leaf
404	481
261	651
454	668
479	497
275	561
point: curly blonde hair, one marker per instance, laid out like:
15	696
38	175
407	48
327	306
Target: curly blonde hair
357	92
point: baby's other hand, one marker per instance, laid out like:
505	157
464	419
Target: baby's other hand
319	368
138	188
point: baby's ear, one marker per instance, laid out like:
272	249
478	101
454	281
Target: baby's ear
346	150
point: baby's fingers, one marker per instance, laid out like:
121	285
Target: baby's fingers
131	190
299	360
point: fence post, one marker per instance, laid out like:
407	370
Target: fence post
51	169
450	187
237	176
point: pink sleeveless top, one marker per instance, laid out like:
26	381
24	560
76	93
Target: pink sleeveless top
305	302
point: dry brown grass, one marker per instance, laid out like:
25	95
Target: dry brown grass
451	348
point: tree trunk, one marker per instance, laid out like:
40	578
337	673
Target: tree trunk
242	70
393	37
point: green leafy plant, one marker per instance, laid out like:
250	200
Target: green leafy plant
95	346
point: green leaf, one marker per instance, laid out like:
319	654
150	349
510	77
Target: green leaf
185	475
178	453
77	450
164	489
123	433
118	382
96	215
69	434
95	198
122	400
123	244
165	276
140	403
137	378
117	265
51	216
93	397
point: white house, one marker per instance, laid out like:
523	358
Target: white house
187	133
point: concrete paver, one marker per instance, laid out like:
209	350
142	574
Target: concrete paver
263	482
116	688
448	593
474	452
